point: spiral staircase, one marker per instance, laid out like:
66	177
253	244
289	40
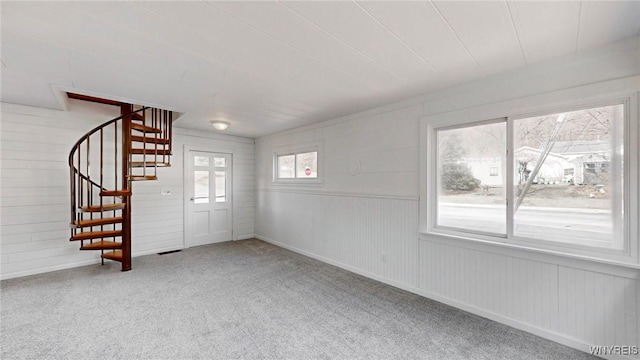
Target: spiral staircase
103	164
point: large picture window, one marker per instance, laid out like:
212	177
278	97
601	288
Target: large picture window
554	178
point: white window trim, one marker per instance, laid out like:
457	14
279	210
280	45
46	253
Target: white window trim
610	92
293	149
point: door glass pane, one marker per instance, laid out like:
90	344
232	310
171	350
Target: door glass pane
568	176
219	162
201	160
221	186
307	165
286	166
201	187
471	178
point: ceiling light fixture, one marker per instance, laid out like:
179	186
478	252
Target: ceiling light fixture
220	125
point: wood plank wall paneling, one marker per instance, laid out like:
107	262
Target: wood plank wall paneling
519	289
352	219
243	172
34	202
402	254
583	307
578	306
340	227
601	308
34	224
638	315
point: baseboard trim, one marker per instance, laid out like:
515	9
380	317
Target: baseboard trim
47	269
544	333
341	265
550	335
42	270
155	251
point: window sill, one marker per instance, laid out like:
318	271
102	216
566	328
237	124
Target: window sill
614	267
297	182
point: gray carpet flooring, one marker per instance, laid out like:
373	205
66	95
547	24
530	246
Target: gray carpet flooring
245	299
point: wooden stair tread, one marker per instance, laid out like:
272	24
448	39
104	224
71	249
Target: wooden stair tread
142	177
105	207
140	151
126	192
95	235
151	140
144	128
102	245
97	222
137	164
113	255
145	136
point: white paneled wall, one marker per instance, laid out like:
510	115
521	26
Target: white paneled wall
365	216
337	228
34	207
600	308
519	289
243	172
571	305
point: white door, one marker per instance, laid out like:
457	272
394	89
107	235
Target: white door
208	182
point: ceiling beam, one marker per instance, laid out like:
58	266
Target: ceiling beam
93	99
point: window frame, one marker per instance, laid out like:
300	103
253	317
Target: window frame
617	217
297	150
511	111
436	175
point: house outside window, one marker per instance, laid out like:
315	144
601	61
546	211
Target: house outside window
563	181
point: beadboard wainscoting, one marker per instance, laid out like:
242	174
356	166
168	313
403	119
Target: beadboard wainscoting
376	236
368	234
366	216
572	305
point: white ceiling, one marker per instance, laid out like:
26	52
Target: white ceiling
271	66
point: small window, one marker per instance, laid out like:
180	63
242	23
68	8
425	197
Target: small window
219	162
307	165
221	186
493	171
201	187
201	160
297	166
286	166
